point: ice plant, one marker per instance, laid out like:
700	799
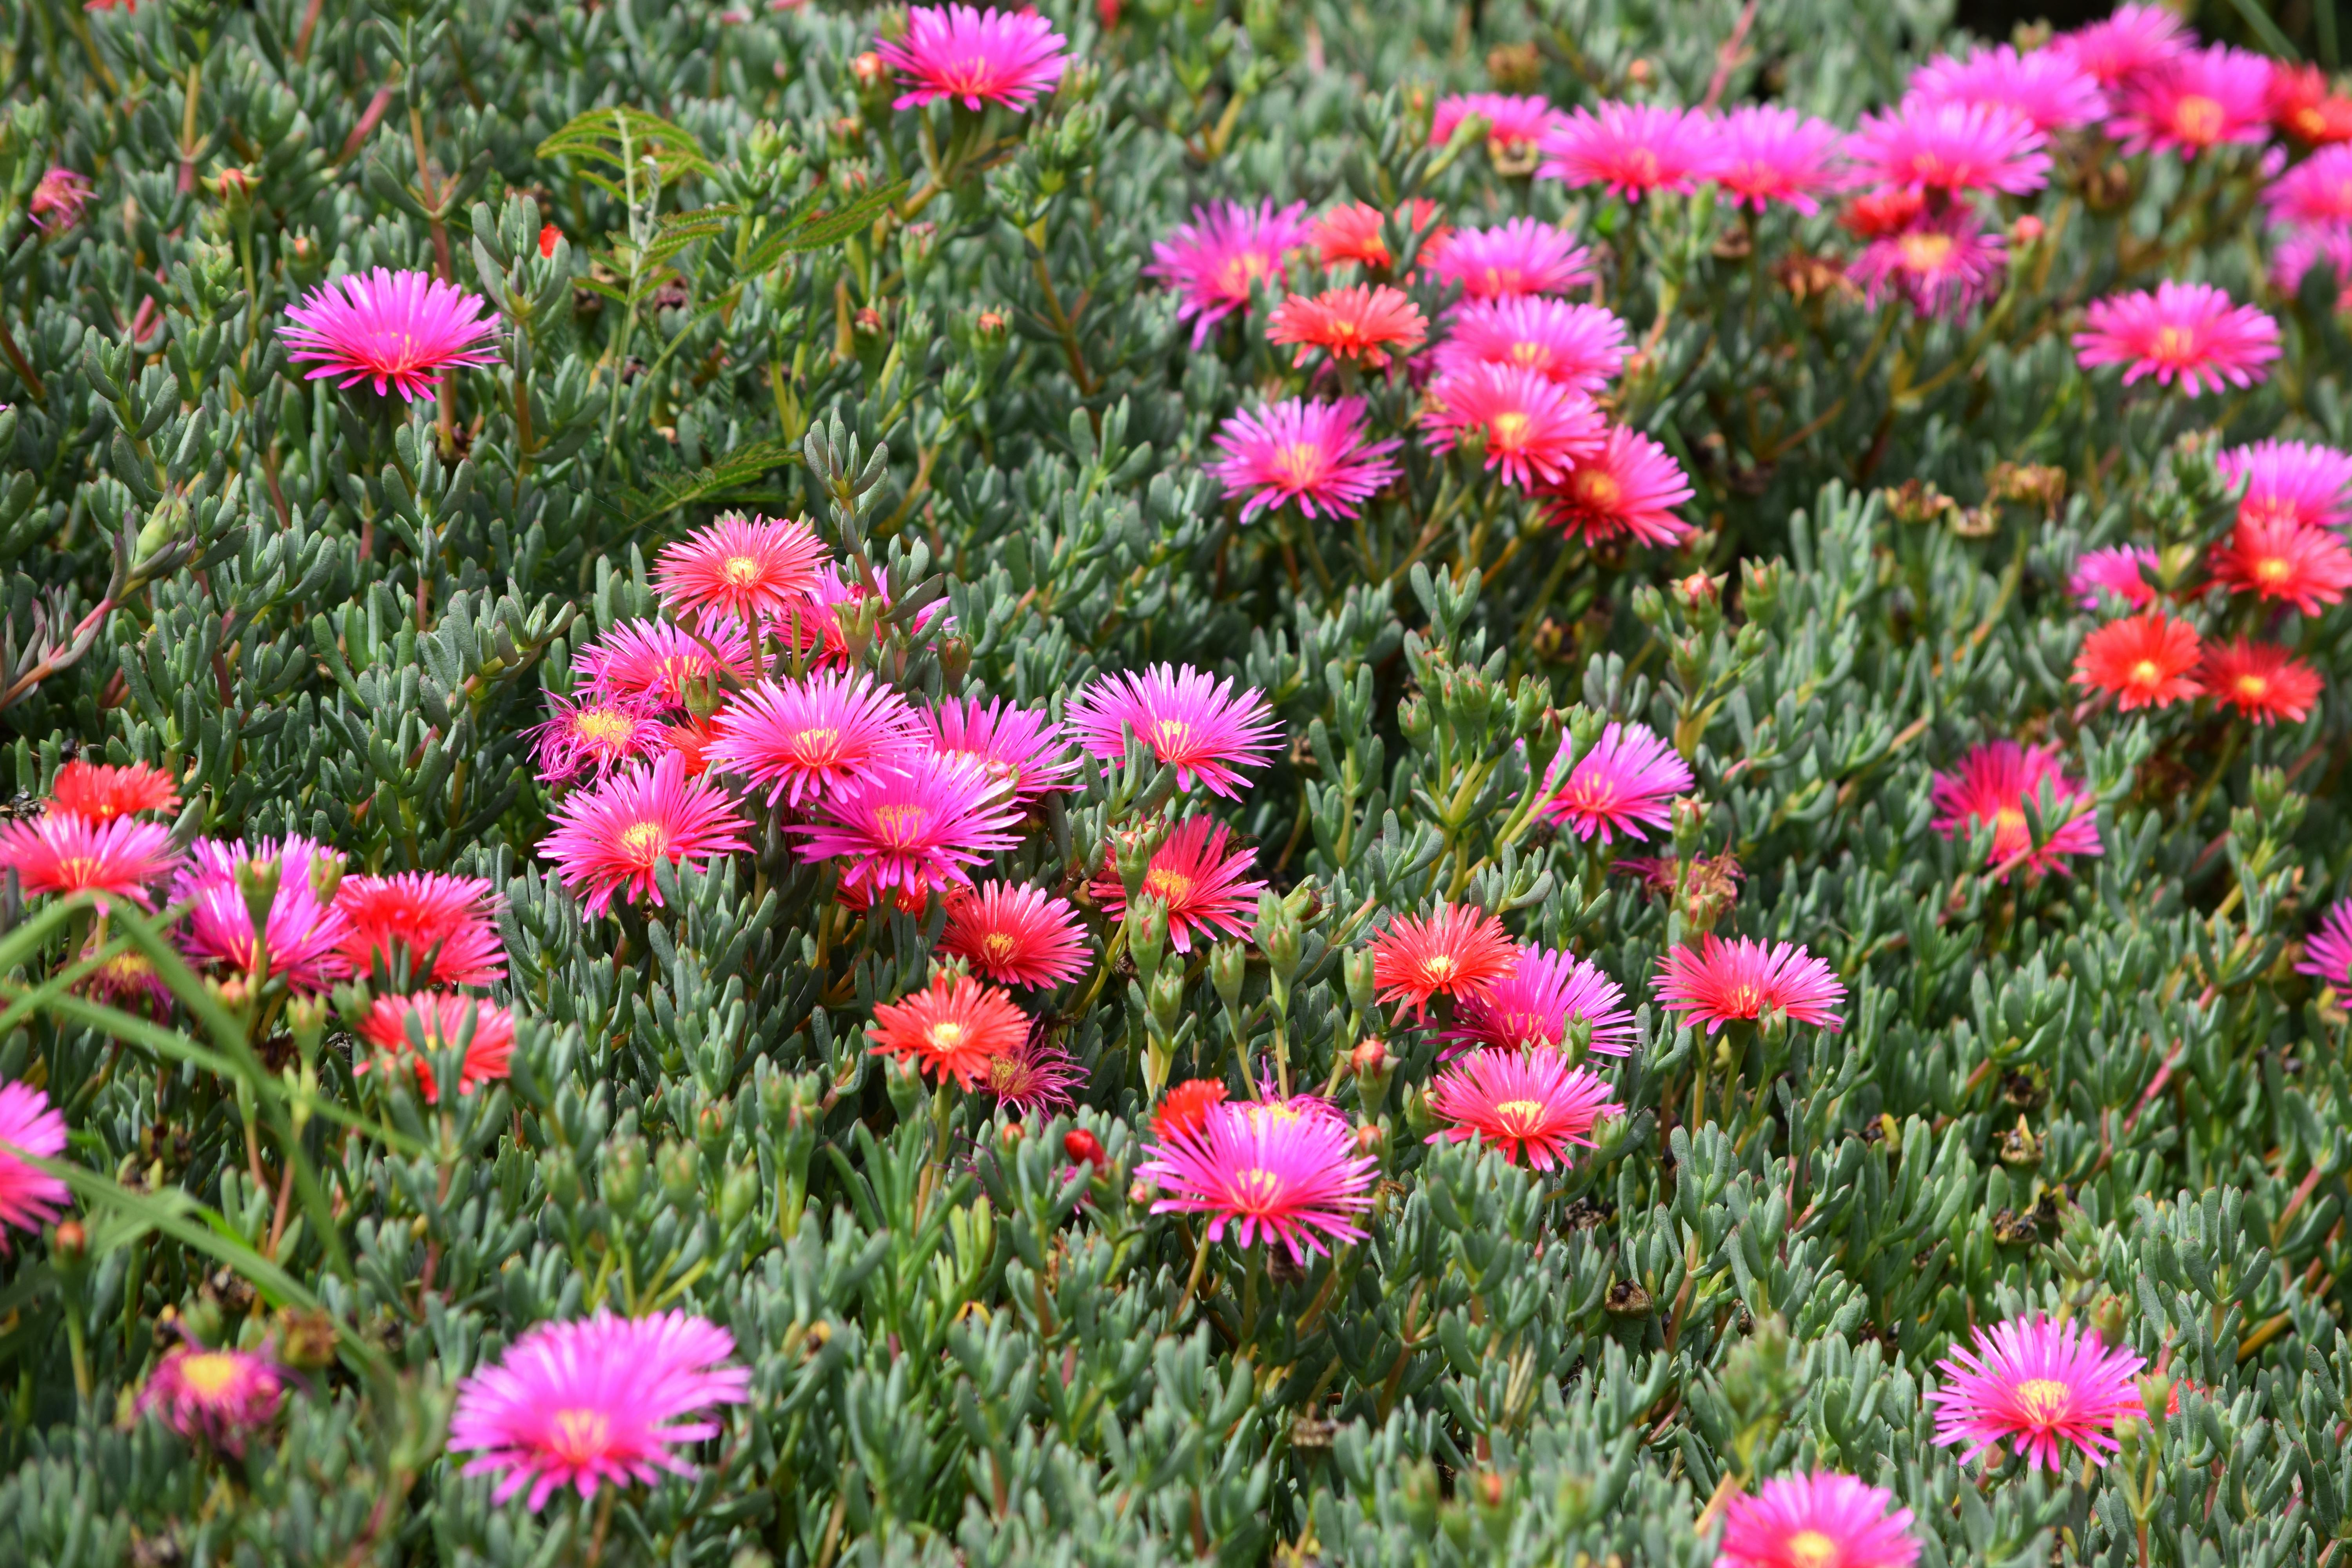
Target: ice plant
1763	152
2189	331
2327	251
801	740
57	200
2145	660
2264	683
302	939
1212	262
395	330
1273	1173
1185	718
1183	1109
952	1028
2194	101
1532	429
1022	749
743	570
586	736
917	822
597	1402
219	1397
1016	934
1943	265
2048	89
2276	559
2305	107
2132	39
655	662
2042	1387
1626	783
1989	788
439	925
1515	123
1352	232
1529	1104
1819	1520
412	1026
2327	955
101	791
1721	980
1951	148
1208	891
1579	346
1035	1077
2289	481
1316	456
1629	149
29	1125
2121	570
1522	256
607	841
66	853
1460	951
1364	324
974	58
2316	192
1629	488
1535	1003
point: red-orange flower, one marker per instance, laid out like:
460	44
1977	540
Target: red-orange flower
1184	1108
1362	323
1459	950
2264	683
102	792
2145	660
951	1030
2279	558
1352	232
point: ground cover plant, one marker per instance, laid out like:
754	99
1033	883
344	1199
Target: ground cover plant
1553	784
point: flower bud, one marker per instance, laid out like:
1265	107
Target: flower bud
71	1243
1371	1139
1083	1148
992	324
2025	231
1165	996
1147	936
905	1082
1690	820
680	1169
1227	963
1362	989
624	1172
549	236
867	69
1011	1135
738	1193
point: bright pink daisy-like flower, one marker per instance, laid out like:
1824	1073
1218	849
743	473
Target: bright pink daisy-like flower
1529	1104
1016	934
442	1020
1630	148
974	56
1533	429
1460	951
2299	251
953	1028
1535	1003
57	200
1278	1173
1943	265
102	792
2190	332
582	735
1721	980
29	1124
1513	121
2121	571
608	840
217	1397
1763	152
1035	1077
1990	787
1213	261
2129	41
2327	955
657	663
1579	346
1626	783
2316	192
2042	1385
743	570
2203	98
62	852
302	941
394	330
1364	324
1521	257
917	822
1820	1521
1198	726
594	1402
1022	749
2264	683
1313	454
1949	147
441	925
2048	87
2290	481
804	739
1629	487
2305	567
1209	893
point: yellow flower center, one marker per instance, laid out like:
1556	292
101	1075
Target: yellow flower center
1519	1115
1167	886
900	825
79	870
209	1373
1595	489
1170	735
1925	253
998	946
740	571
818	745
2175	343
1439	969
1300	463
643	842
1257	1188
1504	280
1534	356
578	1437
2008	821
946	1035
2145	673
1810	1549
1641	163
2197	120
1511	430
2273	569
604	727
2043	1400
2253	687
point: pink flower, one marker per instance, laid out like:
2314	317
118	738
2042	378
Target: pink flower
1281	1173
1213	261
2042	1385
2290	481
442	1020
303	937
2301	250
741	570
2316	192
1021	749
1766	154
29	1198
57	200
2189	331
1207	734
803	739
439	925
1950	147
1314	454
915	823
1524	256
1016	934
1533	429
1630	487
1943	265
217	1397
974	56
1535	1003
2205	98
1630	148
2329	956
1990	787
1721	981
2122	571
609	840
1530	1104
2134	38
1819	1520
1579	346
1627	784
2049	88
582	735
660	664
589	1403
65	852
1514	124
1208	892
395	329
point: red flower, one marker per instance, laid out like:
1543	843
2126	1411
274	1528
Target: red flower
2264	683
440	1020
2302	106
1352	232
1876	215
1362	323
548	236
951	1030
102	792
2144	659
2281	559
1459	950
1184	1108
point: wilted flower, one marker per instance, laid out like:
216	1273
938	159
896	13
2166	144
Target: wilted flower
57	200
1721	980
2043	1386
2144	659
396	330
1314	454
1036	1075
2189	331
951	1029
1201	727
974	56
597	738
1278	1173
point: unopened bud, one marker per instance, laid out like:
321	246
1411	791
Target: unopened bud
1085	1148
71	1243
2025	231
866	67
1371	1138
990	324
549	236
1363	988
868	320
1227	963
1368	1058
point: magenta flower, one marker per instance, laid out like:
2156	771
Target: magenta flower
29	1124
2317	192
1208	892
2048	87
655	662
57	200
974	56
1579	346
1281	1173
1722	981
1314	454
1630	148
2301	250
2290	481
1213	261
583	735
1626	783
1535	1003
1533	429
68	853
916	823
394	330
217	1397
1529	1104
303	939
2328	954
1514	123
2195	100
2129	42
740	571
1990	787
1942	266
1949	147
1206	733
2042	1385
1763	153
600	1402
1630	487
1524	256
2190	332
2121	571
608	840
804	739
1020	749
1820	1521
